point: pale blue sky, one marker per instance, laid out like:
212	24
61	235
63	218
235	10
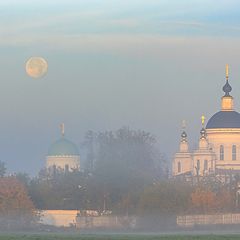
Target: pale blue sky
145	64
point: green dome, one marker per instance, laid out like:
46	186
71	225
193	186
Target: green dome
63	147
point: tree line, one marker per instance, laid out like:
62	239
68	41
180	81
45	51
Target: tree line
124	173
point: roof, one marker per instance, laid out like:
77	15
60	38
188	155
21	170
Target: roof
224	119
63	147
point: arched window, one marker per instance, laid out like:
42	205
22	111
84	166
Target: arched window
234	152
205	165
179	167
221	152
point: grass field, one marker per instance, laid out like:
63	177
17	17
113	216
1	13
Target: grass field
114	237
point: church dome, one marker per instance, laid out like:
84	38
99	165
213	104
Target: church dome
63	147
224	119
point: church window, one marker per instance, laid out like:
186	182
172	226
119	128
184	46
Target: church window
221	152
179	167
205	165
198	165
234	153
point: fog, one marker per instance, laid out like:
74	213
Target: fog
121	77
111	66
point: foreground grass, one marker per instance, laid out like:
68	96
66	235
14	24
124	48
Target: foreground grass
114	237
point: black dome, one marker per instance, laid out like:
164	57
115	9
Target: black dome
224	119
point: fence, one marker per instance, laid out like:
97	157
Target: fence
216	219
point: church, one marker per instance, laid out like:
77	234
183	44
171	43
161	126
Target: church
218	151
63	155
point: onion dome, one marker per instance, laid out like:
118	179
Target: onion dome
184	134
184	137
227	89
183	142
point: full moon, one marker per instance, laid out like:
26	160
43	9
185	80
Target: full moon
36	67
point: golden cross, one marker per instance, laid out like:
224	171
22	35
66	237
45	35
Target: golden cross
203	120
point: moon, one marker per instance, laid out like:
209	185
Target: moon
36	67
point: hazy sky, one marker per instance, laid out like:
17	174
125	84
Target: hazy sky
146	64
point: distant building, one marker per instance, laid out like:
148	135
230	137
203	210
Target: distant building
59	218
63	155
218	151
86	219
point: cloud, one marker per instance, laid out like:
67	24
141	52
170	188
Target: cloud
130	45
105	17
43	23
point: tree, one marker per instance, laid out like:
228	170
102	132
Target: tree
89	144
24	178
62	190
204	200
165	198
122	164
125	161
16	208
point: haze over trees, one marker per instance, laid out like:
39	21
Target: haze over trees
162	197
123	163
126	174
119	165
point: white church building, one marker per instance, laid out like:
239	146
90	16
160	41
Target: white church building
218	150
